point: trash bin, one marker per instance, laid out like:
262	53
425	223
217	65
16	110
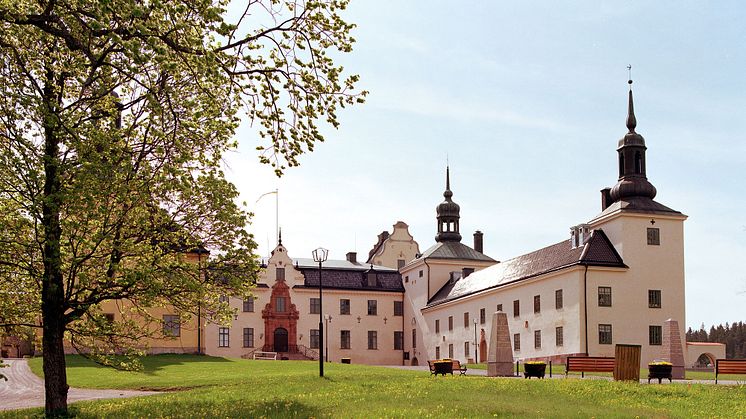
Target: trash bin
627	362
346	360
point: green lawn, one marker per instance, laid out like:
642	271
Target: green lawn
217	387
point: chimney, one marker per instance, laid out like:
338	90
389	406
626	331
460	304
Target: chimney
605	198
478	241
352	257
465	272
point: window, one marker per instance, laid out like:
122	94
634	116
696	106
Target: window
399	341
450	350
517	342
406	279
224	299
372	279
109	317
655	335
482	316
654	298
499	307
315	305
466	319
224	337
344	338
654	236
280	274
516	308
421	272
437	326
537	303
437	352
414	338
466	349
604	334
604	296
400	263
344	306
372	339
248	305
398	308
280	304
558	299
248	337
372	307
315	339
559	336
171	325
450	322
537	339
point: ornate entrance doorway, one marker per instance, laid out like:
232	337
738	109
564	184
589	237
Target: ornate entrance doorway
281	340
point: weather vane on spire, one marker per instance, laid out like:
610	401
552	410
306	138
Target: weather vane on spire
629	69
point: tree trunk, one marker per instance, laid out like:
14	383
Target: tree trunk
53	292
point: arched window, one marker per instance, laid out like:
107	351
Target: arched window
621	164
638	162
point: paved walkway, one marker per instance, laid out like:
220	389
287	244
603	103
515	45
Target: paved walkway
24	389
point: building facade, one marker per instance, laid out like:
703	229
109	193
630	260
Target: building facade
617	279
362	313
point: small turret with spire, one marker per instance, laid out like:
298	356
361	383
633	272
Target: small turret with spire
633	181
448	215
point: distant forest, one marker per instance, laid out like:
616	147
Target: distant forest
733	336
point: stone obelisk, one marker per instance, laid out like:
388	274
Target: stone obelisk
673	351
500	353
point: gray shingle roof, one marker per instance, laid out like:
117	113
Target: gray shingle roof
597	251
352	280
454	250
304	263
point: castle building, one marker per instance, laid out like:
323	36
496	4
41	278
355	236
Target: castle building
617	279
362	310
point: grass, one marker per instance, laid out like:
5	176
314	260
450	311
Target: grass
220	387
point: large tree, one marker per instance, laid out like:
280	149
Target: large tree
114	118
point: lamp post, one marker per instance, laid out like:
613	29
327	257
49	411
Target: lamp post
319	256
327	320
476	343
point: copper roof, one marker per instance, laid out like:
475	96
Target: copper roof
638	204
597	251
454	250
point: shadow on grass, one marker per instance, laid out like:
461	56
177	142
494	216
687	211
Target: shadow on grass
150	363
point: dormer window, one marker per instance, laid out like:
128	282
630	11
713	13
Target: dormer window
372	279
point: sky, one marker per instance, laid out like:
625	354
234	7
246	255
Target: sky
526	101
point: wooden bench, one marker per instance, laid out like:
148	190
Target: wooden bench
267	356
585	364
729	366
457	367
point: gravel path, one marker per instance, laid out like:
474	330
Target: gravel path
24	389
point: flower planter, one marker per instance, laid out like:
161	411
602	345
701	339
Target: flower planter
659	371
534	369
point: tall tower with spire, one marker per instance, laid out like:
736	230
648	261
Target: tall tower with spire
633	181
448	215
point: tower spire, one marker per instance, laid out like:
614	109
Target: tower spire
633	181
631	120
448	215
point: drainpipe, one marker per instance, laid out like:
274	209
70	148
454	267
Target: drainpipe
585	306
428	278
